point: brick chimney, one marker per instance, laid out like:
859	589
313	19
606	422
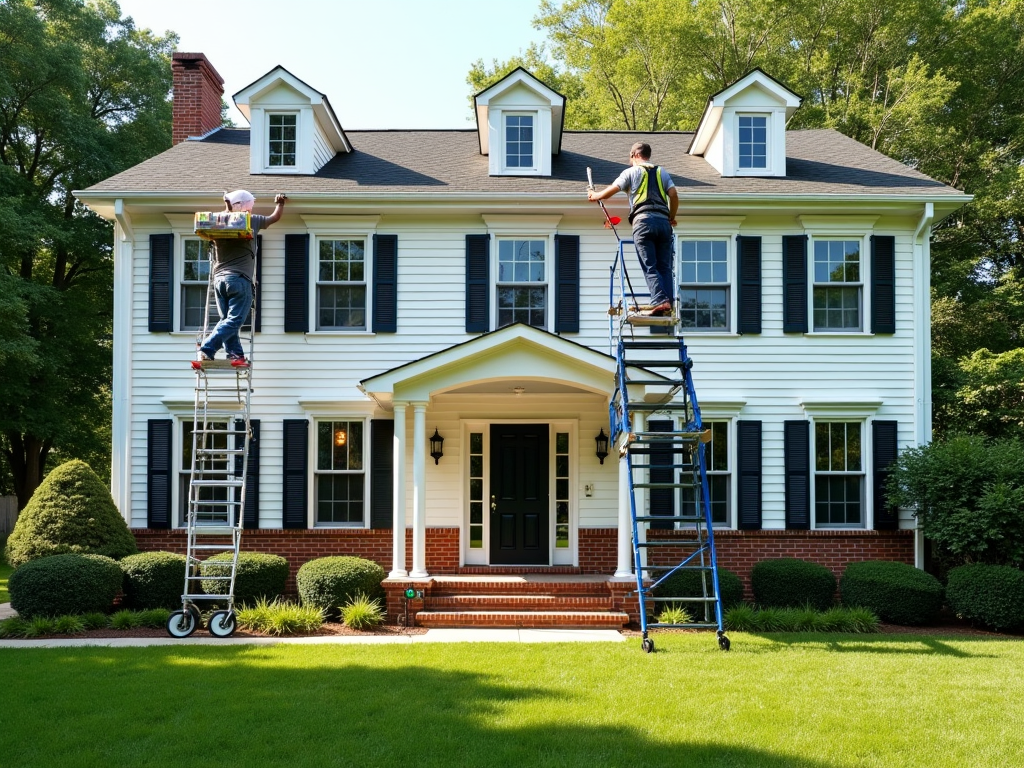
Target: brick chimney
197	94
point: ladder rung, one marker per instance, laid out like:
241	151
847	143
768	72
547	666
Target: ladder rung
645	363
652	344
704	625
204	596
214	530
665	466
217	484
220	451
205	547
667	407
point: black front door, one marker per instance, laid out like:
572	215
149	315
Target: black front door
519	494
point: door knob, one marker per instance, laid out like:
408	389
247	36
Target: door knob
494	504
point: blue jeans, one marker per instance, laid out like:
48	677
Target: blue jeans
234	300
652	236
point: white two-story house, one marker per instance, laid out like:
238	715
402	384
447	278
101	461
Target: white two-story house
455	284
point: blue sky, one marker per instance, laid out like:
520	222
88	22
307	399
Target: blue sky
382	63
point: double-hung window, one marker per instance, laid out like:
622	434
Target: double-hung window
282	140
341	285
753	142
340	476
704	285
838	287
522	284
838	474
519	142
716	458
211	467
195	278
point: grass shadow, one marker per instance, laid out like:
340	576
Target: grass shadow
883	644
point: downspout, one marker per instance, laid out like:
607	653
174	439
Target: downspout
120	419
923	346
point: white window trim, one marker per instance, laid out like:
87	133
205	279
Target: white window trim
729	284
769	169
315	421
864	284
567	556
507	227
179	283
301	147
181	420
826	227
326	227
519	170
867	521
542	140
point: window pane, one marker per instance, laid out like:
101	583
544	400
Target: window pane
519	141
476	442
339	499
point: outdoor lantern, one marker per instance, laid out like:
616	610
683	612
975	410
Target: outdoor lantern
436	441
340	438
602	445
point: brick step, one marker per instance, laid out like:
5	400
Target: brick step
513	585
518	602
524	619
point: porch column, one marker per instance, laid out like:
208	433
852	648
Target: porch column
398	570
624	567
419	492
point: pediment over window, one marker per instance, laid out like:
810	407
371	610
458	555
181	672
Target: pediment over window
293	129
743	129
519	124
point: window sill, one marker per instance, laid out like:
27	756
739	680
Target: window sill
846	334
340	527
714	334
325	334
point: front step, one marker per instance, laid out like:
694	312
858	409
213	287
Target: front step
523	619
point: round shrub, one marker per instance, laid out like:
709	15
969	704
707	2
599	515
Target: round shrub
791	583
153	580
259	576
65	584
330	582
71	511
688	584
895	592
992	595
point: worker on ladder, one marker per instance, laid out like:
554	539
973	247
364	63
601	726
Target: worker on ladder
653	201
233	271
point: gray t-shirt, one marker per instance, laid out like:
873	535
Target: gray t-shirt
238	257
629	181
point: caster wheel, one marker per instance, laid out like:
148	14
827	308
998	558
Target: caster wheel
181	624
222	624
647	645
723	642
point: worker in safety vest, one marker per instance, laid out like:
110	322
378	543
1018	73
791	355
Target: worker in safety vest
653	201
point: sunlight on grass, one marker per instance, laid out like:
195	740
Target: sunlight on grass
781	701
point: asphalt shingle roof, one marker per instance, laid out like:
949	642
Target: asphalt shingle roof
818	161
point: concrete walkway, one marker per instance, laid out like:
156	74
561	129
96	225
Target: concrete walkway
6	611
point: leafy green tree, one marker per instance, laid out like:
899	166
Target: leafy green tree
83	95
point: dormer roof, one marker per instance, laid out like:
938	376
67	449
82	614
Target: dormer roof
534	91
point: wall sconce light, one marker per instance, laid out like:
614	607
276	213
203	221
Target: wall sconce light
602	445
436	442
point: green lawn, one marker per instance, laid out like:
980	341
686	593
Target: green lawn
5	573
789	701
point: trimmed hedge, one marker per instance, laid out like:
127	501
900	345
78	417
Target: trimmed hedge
688	584
330	582
260	576
895	592
153	580
71	511
792	583
992	595
65	584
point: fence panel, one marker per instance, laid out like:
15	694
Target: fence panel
8	513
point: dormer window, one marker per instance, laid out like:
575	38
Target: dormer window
753	142
519	144
282	133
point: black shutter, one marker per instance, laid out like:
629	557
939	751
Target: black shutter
478	283
797	462
883	284
296	283
251	518
159	471
884	452
662	500
385	284
296	463
794	284
382	461
161	283
748	262
748	455
567	287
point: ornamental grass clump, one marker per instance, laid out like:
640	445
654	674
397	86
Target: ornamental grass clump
744	618
124	620
895	592
362	613
279	618
674	614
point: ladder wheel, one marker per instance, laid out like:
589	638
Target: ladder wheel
723	641
181	624
647	645
222	624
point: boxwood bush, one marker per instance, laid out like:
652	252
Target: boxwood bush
895	592
260	576
71	511
792	583
991	595
331	582
153	580
688	584
65	584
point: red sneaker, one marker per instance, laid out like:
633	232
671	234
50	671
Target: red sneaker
239	362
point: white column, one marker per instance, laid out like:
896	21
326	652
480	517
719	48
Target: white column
398	570
419	492
624	567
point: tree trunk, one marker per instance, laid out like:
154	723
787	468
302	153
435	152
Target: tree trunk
27	459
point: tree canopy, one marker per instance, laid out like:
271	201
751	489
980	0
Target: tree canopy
83	95
935	84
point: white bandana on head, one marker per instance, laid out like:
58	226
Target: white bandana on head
240	200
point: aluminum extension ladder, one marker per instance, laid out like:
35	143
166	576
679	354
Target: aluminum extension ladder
221	439
665	458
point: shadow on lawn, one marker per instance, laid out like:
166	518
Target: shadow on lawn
251	708
886	644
